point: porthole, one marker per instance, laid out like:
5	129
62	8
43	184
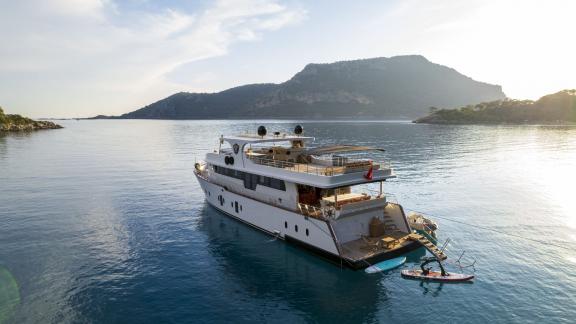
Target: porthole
285	224
296	228
307	232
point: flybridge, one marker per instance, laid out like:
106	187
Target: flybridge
322	167
252	139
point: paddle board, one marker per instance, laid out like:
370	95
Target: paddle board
386	265
436	276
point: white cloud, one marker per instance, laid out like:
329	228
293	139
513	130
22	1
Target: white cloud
82	57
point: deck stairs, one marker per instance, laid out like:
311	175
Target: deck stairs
389	223
438	253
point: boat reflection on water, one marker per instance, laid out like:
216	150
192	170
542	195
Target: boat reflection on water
269	269
432	288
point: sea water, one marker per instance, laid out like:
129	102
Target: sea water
104	222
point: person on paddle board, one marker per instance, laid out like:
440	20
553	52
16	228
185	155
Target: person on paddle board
426	271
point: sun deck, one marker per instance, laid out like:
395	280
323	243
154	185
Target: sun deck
350	166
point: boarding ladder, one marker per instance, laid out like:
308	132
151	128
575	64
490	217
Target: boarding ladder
438	253
389	223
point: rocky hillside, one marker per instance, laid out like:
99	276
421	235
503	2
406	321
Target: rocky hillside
396	87
10	123
557	108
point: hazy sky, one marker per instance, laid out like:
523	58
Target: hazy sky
76	58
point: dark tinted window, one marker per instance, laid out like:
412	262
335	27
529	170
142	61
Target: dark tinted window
251	180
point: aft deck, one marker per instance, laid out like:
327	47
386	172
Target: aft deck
367	247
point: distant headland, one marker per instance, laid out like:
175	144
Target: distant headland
12	123
399	87
557	108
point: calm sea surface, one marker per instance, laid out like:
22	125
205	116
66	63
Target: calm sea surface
104	222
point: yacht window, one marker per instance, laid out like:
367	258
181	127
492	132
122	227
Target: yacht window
229	172
296	228
265	181
277	184
307	232
285	224
236	206
251	180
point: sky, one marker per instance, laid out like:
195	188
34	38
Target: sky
81	58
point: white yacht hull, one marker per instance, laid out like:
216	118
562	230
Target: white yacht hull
272	220
313	234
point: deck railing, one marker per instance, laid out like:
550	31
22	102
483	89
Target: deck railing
351	166
317	212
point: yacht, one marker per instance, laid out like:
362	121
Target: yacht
327	199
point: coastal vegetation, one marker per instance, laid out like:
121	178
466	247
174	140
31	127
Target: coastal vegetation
19	123
557	108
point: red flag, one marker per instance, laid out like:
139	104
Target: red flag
368	174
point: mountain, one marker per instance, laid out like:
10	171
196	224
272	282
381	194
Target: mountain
19	123
559	108
396	87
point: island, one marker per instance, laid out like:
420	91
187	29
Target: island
557	108
399	87
11	123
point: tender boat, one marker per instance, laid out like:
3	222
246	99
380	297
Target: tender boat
316	197
423	225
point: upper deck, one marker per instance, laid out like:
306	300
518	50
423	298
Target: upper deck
322	167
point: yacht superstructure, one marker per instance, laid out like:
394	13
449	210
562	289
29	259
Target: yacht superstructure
310	196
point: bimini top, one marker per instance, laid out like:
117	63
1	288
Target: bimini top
252	138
